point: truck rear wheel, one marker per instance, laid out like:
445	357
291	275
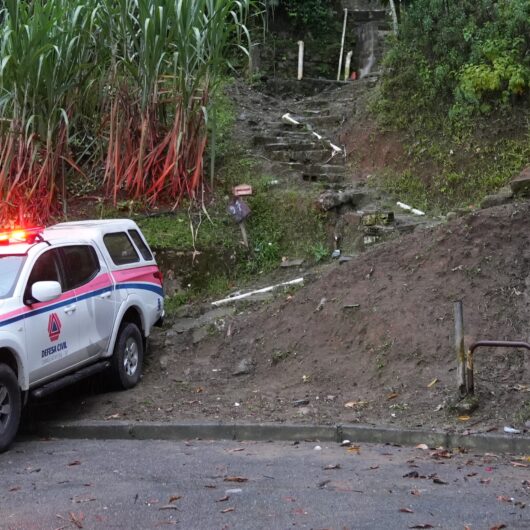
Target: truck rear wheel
10	407
128	356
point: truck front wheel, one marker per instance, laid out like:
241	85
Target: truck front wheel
128	356
10	407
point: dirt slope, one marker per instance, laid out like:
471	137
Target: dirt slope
382	334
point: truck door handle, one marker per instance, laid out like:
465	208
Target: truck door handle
105	295
70	308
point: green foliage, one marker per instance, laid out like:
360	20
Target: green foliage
316	16
463	58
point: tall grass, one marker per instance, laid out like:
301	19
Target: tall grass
127	83
167	58
45	61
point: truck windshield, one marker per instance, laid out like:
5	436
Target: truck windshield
10	267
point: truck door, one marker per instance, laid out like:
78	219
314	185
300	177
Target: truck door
52	328
87	274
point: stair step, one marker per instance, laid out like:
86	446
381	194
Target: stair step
316	172
286	136
292	146
308	156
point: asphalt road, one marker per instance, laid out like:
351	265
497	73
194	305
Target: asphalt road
229	485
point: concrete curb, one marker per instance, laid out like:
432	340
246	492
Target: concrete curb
104	430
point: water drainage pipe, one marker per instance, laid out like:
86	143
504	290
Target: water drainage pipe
487	344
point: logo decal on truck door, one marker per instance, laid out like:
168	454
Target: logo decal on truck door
54	327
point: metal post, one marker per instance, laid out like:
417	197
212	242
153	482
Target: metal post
300	60
460	350
470	374
342	45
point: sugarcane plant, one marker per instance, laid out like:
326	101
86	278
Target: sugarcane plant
116	87
167	57
45	55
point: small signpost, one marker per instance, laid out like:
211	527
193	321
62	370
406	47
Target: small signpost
239	209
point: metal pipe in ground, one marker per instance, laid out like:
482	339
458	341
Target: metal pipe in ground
460	349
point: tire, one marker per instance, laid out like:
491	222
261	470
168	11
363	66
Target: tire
128	356
10	407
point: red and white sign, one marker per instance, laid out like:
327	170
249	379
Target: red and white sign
54	327
242	190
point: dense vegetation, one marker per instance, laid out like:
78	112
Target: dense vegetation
464	58
456	85
118	89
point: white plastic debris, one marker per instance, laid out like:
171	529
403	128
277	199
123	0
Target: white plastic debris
317	448
298	281
287	118
511	430
235	490
345	443
236	404
410	209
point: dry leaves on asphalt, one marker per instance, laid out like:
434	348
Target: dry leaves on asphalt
406	510
228	510
235	479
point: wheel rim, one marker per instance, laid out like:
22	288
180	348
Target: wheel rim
130	358
5	407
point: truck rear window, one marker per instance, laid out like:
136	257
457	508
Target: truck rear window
10	267
120	248
142	247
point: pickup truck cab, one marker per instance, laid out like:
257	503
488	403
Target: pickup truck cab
75	299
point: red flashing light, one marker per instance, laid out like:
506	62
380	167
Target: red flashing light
20	235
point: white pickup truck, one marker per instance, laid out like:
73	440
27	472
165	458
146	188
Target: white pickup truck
75	299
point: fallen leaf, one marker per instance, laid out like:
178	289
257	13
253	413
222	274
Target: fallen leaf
227	510
168	507
223	499
424	525
374	467
150	502
488	469
236	479
442	453
415	492
77	518
406	510
354	449
393	395
199	390
113	417
464	418
210	486
75	463
432	383
498	527
237	450
423	447
174	498
332	466
485	480
412	474
355	404
437	480
14	488
518	464
504	498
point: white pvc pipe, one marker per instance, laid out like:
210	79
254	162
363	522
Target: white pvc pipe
298	281
286	118
300	60
415	211
347	66
342	45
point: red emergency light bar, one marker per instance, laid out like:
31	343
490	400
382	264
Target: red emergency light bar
20	235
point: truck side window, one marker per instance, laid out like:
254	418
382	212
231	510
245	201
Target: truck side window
120	248
45	269
81	265
142	247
